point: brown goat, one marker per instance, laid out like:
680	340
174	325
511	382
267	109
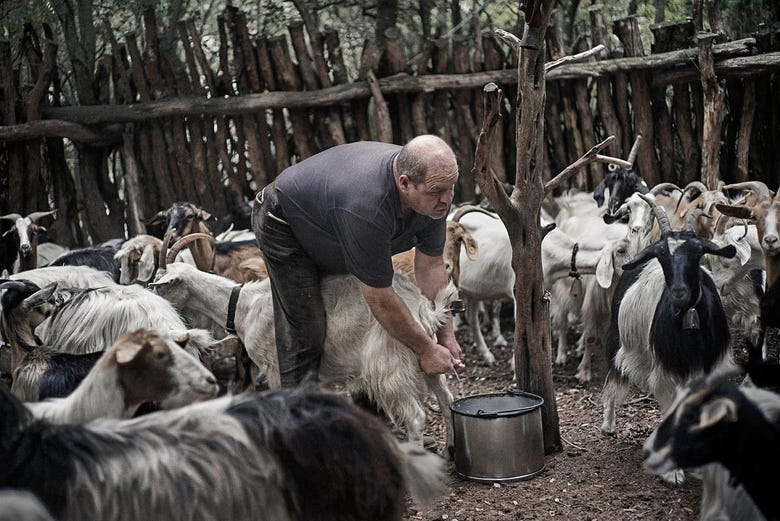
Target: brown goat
457	236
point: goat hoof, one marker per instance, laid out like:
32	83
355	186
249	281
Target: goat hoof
674	478
583	377
609	431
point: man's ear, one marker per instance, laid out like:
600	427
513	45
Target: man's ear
404	183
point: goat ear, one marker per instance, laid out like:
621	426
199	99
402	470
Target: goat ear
719	410
728	251
146	264
470	243
204	215
40	297
740	212
605	268
743	251
127	351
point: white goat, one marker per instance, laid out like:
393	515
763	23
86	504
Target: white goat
285	455
92	319
358	353
141	366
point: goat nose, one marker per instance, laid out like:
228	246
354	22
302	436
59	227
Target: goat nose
770	240
25	248
679	293
211	380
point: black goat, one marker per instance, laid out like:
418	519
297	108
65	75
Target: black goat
714	420
99	257
621	183
673	305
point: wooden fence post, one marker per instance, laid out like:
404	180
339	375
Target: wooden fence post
627	30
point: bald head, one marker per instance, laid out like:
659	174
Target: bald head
423	154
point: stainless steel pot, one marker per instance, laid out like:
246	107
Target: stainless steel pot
498	437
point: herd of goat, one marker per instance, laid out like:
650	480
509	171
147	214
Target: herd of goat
117	354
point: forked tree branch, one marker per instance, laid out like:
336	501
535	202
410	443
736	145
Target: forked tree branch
591	156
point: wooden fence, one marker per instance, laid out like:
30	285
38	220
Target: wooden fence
169	127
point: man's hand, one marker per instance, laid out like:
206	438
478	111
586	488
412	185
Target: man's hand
436	360
449	341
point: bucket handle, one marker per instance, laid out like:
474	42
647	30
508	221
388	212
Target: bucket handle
483	414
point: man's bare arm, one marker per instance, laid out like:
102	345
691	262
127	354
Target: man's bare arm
391	312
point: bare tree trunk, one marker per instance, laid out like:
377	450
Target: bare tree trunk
520	214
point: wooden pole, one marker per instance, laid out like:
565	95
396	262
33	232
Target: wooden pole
714	96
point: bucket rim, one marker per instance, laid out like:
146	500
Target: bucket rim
539	402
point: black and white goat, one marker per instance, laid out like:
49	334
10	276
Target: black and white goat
735	427
667	322
283	455
26	231
619	183
141	366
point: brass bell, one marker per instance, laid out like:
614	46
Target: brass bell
691	320
576	287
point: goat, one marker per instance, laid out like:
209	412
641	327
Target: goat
457	236
596	302
621	183
223	258
100	258
67	277
487	277
735	280
762	208
377	366
84	321
138	259
26	230
141	366
667	323
283	455
715	421
579	217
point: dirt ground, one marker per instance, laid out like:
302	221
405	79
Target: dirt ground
593	478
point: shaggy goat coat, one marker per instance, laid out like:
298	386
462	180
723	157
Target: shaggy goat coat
282	455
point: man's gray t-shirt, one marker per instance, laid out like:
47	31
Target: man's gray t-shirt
344	208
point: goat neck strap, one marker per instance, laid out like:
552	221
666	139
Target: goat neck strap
573	273
230	326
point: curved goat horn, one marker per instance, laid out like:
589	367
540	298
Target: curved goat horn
37	215
663	187
184	241
11	217
463	210
701	187
161	262
660	214
693	216
759	188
